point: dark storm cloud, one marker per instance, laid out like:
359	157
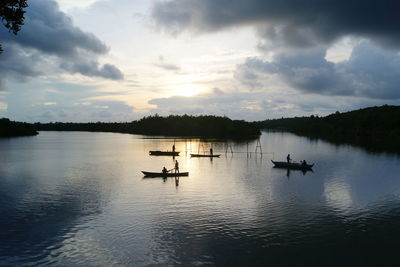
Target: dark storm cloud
369	72
92	68
51	31
50	35
13	61
299	23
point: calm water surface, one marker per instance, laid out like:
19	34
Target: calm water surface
79	199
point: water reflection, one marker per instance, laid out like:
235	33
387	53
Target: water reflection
288	171
80	199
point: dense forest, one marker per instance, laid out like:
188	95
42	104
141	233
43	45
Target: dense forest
198	126
11	128
375	128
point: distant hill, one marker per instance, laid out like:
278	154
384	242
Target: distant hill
375	128
11	128
196	126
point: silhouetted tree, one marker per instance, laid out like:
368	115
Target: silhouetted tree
12	15
12	128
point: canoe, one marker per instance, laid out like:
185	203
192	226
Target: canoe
163	153
161	174
292	165
205	155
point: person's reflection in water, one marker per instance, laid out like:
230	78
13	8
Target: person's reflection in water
176	181
288	173
176	166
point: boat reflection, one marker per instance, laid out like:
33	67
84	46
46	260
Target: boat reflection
288	170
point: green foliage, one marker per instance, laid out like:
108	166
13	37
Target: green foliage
11	128
196	126
375	128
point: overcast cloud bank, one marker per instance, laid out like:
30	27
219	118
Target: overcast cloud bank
48	41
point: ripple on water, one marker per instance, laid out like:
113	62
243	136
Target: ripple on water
84	203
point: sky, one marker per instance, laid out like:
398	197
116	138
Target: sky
103	60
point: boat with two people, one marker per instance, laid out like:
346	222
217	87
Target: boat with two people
174	172
304	166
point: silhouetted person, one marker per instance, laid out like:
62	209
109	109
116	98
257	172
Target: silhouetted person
173	148
176	166
211	151
304	163
288	158
164	170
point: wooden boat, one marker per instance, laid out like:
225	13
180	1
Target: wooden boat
292	165
161	174
163	153
205	155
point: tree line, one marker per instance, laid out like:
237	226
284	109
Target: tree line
375	128
186	125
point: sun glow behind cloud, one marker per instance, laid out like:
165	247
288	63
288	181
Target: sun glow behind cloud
188	90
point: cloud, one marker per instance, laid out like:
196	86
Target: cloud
166	66
49	40
261	105
51	31
295	23
20	64
92	69
369	72
247	105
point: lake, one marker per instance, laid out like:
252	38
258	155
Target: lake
80	199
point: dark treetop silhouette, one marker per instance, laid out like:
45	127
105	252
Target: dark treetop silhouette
374	128
11	128
196	126
12	15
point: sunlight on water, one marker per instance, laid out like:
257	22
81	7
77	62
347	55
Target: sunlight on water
80	199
